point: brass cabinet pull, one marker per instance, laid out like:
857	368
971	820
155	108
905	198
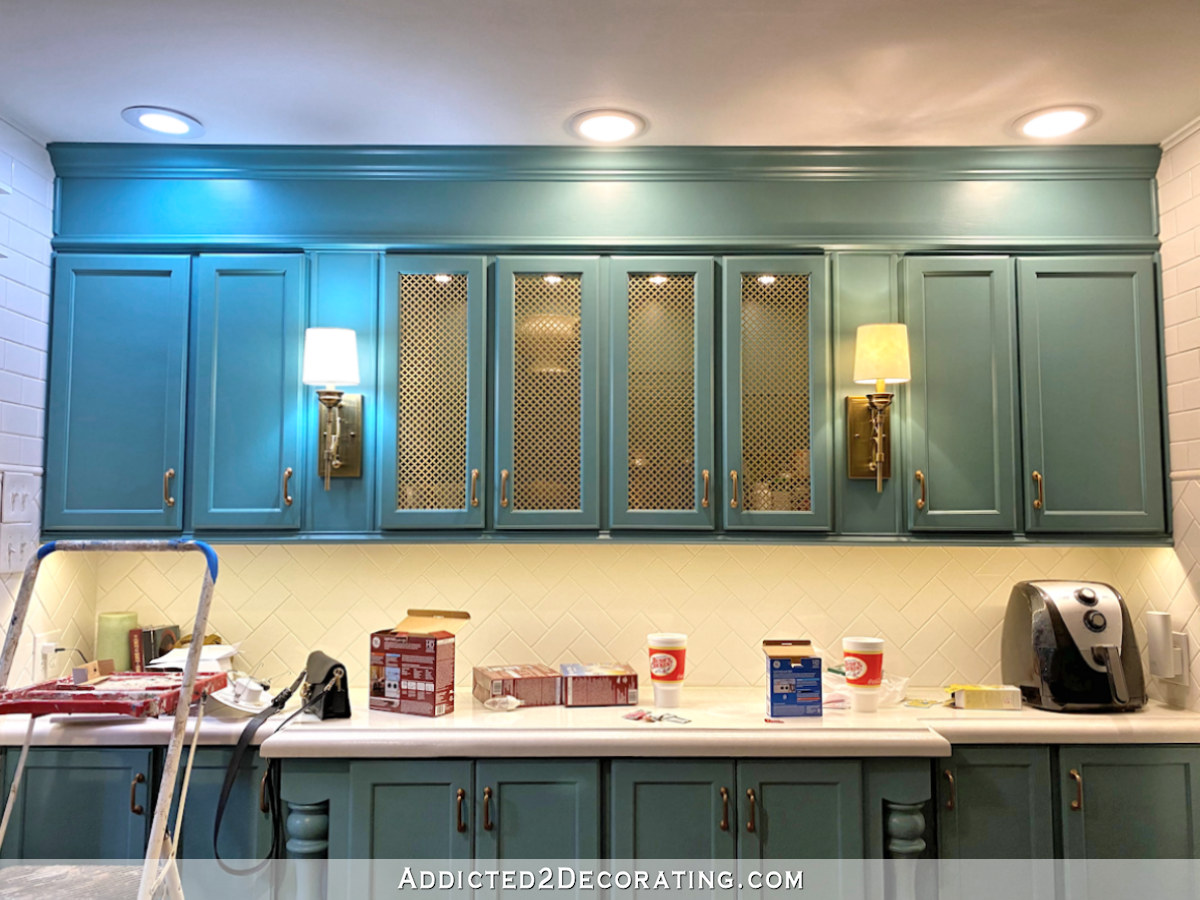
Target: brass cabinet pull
135	807
921	478
724	809
287	476
1041	497
1077	803
753	800
950	801
504	487
167	476
459	795
474	487
262	793
487	809
733	501
704	499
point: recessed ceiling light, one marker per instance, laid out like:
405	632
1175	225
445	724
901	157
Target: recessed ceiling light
158	120
607	126
1056	121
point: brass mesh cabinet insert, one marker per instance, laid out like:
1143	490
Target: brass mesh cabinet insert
547	398
662	468
776	384
435	320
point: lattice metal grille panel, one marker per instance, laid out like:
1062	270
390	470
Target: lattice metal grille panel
547	392
431	399
776	440
662	396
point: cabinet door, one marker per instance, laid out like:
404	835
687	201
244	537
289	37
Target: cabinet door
1129	802
995	803
805	809
434	356
776	385
410	809
547	393
118	361
1090	391
245	830
672	809
537	809
249	327
77	804
661	462
961	316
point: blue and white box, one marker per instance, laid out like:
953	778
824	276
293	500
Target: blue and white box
793	679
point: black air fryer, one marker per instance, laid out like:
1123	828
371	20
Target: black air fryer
1070	647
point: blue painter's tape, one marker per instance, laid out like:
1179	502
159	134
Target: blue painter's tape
46	549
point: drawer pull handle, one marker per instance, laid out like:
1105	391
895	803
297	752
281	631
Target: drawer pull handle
474	487
135	807
504	487
704	499
487	809
1038	480
921	478
1077	803
753	800
953	798
724	809
459	795
262	792
167	476
287	476
733	501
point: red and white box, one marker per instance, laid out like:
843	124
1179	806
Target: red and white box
533	684
412	665
599	684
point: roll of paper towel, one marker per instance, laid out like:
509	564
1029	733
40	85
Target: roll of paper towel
112	637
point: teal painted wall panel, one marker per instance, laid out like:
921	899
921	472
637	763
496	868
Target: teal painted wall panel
520	199
1090	391
342	293
248	329
961	423
118	365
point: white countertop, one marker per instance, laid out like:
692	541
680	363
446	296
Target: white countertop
724	722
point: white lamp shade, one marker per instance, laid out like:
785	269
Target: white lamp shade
330	356
881	354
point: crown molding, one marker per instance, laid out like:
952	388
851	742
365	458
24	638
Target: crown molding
1178	137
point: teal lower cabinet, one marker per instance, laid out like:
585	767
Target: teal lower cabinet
537	809
803	809
81	804
414	809
245	830
672	809
995	803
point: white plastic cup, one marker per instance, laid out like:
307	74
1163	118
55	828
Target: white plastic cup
865	700
668	654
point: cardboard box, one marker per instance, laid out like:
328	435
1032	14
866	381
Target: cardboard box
533	684
412	665
793	679
599	684
986	696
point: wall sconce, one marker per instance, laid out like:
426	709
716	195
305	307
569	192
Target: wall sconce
1168	649
330	359
880	358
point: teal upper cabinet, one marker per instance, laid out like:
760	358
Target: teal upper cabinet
547	472
248	331
115	429
434	358
662	464
776	384
1091	398
961	471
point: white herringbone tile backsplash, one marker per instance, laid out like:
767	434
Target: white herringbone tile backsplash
939	608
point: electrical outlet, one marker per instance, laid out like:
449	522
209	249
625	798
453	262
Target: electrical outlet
45	663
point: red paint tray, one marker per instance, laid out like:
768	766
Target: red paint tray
139	694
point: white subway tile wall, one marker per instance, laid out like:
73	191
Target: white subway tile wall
66	599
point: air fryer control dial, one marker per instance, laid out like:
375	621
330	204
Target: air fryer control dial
1086	596
1094	620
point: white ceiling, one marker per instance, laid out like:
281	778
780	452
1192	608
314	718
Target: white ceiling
748	72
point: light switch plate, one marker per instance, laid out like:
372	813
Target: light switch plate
18	542
18	497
